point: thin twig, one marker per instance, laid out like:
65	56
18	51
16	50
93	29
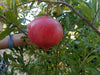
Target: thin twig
87	56
5	64
1	17
95	15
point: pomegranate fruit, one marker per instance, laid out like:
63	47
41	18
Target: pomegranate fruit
45	32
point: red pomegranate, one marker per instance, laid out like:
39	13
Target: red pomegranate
45	32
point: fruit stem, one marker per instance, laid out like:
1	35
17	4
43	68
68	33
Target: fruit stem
48	9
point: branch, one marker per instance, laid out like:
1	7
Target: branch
72	8
20	29
13	24
95	15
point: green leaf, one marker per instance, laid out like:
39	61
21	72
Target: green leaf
5	57
12	71
93	71
59	18
15	64
20	60
8	2
31	5
77	42
83	8
11	57
3	34
12	17
67	22
14	7
91	58
24	1
1	12
38	2
3	21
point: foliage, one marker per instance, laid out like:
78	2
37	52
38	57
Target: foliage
78	53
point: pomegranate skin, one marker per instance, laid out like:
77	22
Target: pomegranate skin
45	32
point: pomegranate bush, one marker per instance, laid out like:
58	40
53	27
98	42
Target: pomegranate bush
76	53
